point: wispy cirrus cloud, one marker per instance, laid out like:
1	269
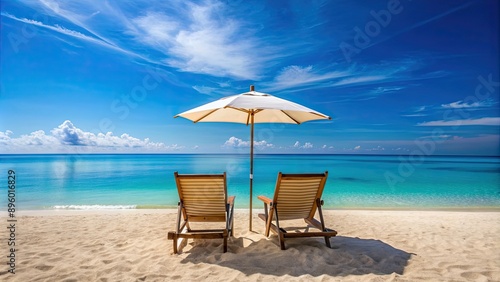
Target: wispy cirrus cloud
199	40
359	79
295	78
81	14
205	89
56	28
468	105
378	91
204	38
299	76
383	90
78	35
191	37
208	38
415	115
419	111
488	121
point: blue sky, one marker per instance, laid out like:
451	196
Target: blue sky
397	77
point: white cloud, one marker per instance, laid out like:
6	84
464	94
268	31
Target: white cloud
420	109
384	90
292	76
359	80
357	147
38	138
378	148
415	115
75	34
490	121
5	135
205	89
68	138
462	104
53	5
373	94
203	37
234	142
307	145
56	28
68	134
173	147
443	137
198	39
224	84
423	110
418	112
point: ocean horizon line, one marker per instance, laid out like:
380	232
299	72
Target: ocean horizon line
242	154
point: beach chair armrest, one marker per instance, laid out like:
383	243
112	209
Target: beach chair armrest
230	200
265	199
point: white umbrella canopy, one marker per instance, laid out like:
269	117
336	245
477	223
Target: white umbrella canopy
250	108
266	109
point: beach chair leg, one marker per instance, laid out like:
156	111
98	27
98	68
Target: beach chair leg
225	244
327	241
281	239
232	228
175	243
269	222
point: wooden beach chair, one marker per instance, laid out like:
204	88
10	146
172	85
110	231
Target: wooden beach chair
297	196
202	198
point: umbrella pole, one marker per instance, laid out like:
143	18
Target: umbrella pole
251	168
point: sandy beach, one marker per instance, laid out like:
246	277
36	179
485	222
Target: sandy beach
132	245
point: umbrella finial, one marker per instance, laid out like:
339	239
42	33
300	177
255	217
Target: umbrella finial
252	88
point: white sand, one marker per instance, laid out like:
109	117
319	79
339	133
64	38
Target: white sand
371	246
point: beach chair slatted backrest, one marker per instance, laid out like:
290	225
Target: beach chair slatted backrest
202	198
296	196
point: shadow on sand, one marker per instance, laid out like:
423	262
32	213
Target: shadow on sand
310	256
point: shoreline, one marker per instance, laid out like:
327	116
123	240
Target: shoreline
49	212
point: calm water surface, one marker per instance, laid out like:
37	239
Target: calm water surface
355	181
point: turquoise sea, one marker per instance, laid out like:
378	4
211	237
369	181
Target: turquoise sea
147	181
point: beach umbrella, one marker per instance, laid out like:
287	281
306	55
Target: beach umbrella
250	108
